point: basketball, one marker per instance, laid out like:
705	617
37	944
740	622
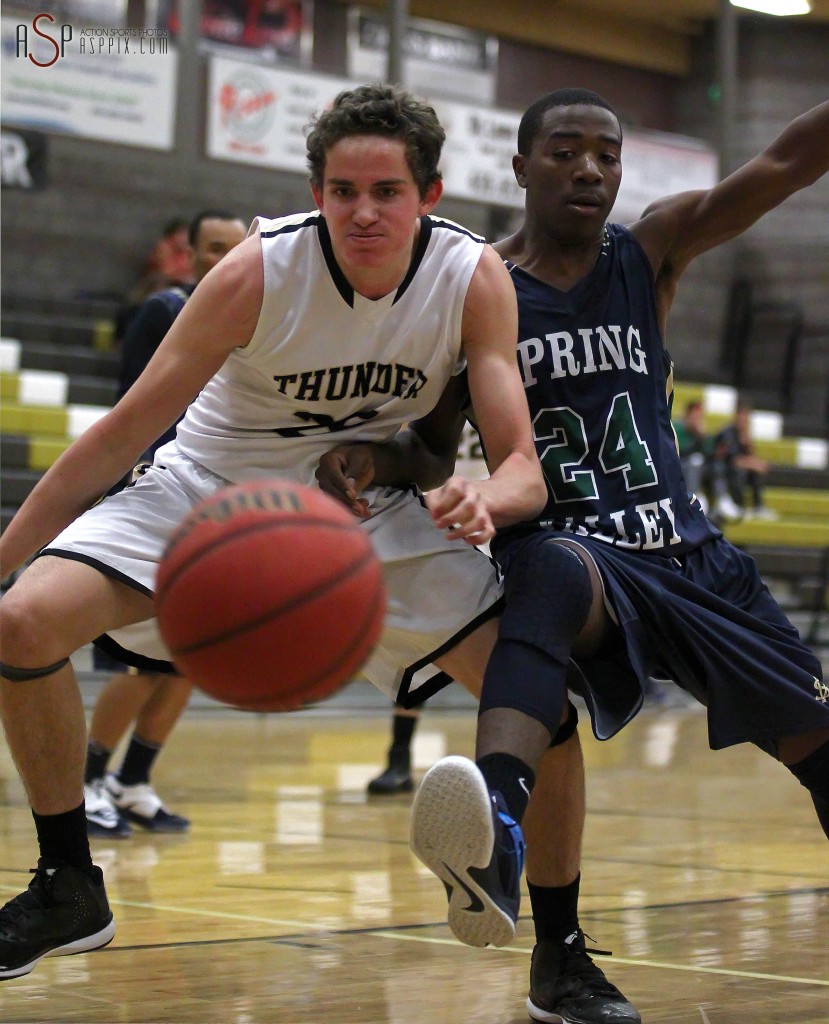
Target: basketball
270	596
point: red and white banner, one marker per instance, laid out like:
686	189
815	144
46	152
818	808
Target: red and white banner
259	115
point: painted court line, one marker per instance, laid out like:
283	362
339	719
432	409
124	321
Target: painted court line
310	927
305	926
754	975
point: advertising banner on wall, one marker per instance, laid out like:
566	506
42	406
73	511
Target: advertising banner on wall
657	164
441	59
278	30
477	154
481	141
259	115
112	84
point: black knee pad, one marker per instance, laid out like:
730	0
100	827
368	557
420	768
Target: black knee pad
548	595
566	730
22	675
527	679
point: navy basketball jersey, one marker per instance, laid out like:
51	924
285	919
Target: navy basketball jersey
596	376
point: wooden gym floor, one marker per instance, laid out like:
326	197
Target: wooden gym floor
295	900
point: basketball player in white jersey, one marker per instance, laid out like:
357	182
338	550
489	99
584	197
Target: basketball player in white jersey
337	325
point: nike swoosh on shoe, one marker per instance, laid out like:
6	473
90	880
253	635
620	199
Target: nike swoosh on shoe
475	904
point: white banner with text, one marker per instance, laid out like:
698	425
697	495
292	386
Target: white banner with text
116	85
259	115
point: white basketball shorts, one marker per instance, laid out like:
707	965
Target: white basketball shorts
438	590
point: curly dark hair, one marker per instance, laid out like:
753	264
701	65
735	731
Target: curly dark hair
380	110
531	121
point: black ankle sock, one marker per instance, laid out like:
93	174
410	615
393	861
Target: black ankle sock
97	759
138	762
63	840
555	910
511	778
403	727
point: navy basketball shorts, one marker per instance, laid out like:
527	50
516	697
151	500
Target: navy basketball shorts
706	620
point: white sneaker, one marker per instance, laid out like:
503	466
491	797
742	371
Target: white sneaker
141	805
102	816
729	510
765	513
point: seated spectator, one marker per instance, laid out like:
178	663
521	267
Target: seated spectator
695	450
737	469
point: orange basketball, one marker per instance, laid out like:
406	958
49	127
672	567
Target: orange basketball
270	596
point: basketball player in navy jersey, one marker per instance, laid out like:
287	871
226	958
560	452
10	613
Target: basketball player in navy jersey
621	576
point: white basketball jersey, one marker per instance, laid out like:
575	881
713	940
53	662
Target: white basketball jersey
325	365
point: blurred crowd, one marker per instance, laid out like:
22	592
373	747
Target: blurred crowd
723	469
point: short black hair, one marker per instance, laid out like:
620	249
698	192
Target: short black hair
172	226
383	110
195	224
531	121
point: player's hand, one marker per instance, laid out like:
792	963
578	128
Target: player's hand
459	508
344	472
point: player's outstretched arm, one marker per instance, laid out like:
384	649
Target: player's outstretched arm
422	454
515	490
676	229
221	315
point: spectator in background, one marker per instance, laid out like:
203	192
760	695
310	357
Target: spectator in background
695	450
738	468
171	260
169	265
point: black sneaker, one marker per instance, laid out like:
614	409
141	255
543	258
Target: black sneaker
566	987
395	779
463	833
63	911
